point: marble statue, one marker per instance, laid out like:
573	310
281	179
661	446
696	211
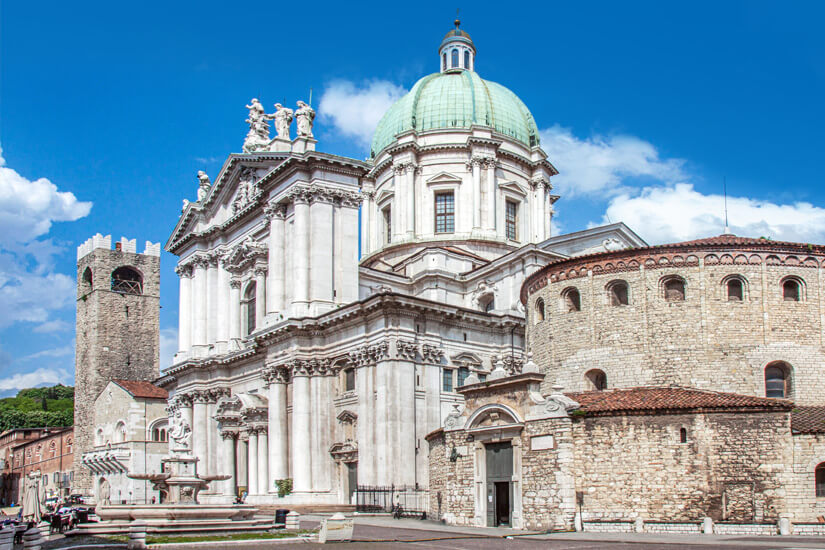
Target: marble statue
180	433
283	118
185	204
304	115
258	137
204	185
33	497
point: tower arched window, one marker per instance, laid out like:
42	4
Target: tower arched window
674	289
127	280
682	435
778	380
597	379
735	288
572	300
792	289
819	476
444	61
454	59
466	59
617	293
539	310
249	302
87	279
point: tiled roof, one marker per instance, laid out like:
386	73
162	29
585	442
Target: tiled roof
651	399
141	389
808	420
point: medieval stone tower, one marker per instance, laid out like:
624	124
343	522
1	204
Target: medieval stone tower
118	305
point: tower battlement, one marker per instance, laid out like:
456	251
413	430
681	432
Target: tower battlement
124	245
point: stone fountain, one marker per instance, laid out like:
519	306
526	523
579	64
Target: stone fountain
180	512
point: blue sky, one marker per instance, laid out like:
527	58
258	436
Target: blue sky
108	110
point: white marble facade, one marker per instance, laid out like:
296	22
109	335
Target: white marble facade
299	358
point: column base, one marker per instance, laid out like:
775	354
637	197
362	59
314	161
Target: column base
304	498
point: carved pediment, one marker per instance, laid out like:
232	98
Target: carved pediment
466	359
513	187
244	255
386	192
247	190
444	178
347	417
346	451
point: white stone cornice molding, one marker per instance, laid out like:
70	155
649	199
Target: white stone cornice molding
432	354
406	349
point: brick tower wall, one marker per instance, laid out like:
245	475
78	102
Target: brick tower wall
117	333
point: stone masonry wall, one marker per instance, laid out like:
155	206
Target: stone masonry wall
453	480
636	466
705	341
117	338
803	504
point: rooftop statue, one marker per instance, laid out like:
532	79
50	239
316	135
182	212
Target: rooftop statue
204	185
258	137
283	118
305	115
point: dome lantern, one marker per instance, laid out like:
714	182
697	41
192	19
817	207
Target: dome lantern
457	51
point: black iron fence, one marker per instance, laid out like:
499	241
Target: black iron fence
400	500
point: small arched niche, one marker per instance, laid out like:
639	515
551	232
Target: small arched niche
673	289
127	280
618	293
571	300
596	380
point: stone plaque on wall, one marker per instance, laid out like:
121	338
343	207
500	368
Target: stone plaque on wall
542	442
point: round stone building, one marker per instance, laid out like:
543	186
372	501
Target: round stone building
726	313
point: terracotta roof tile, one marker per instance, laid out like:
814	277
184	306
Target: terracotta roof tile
141	389
650	399
808	420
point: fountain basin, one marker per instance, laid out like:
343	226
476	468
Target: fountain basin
172	512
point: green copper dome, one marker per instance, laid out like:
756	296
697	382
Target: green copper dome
457	99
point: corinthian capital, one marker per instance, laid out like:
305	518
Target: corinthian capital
184	271
275	211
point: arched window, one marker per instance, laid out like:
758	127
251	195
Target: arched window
156	435
249	306
69	446
617	292
683	435
597	379
778	380
52	449
792	289
735	288
444	61
120	433
466	59
99	437
127	280
87	280
819	475
539	310
454	59
674	289
349	379
572	300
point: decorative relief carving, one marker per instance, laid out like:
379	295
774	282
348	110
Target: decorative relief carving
248	189
369	354
203	185
432	354
406	349
454	421
248	254
274	211
304	116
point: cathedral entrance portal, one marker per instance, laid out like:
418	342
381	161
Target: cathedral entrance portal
499	459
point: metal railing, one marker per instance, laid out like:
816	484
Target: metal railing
405	501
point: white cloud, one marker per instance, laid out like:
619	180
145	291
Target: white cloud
39	377
355	111
62	351
599	165
55	325
28	208
679	212
168	346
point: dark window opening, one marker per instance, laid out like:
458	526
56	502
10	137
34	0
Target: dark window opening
597	379
674	290
447	380
454	59
444	213
126	280
619	294
349	379
463	373
249	304
466	59
791	291
444	62
87	280
777	380
539	310
820	480
387	224
736	291
683	435
572	300
511	220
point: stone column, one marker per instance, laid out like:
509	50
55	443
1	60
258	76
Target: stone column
383	445
490	164
263	461
212	436
300	255
475	162
410	169
199	302
398	209
227	462
234	310
300	441
199	427
548	212
185	308
366	222
212	299
222	332
366	425
275	268
278	429
319	426
242	460
321	252
252	468
260	296
404	420
540	204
